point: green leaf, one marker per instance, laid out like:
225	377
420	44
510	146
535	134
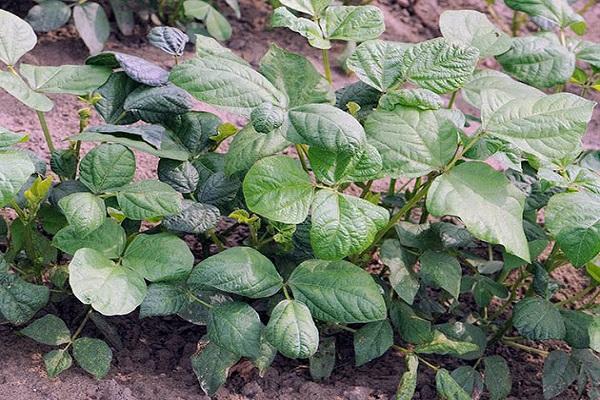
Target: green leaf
49	330
15	169
279	189
217	25
557	11
84	211
211	365
474	29
219	78
16	38
148	199
538	319
109	239
326	127
310	7
586	51
343	225
408	381
114	93
377	63
560	371
447	388
411	327
322	363
92	24
489	205
439	65
123	16
497	377
487	79
162	299
77	80
372	340
283	18
16	87
441	344
239	270
155	104
9	138
160	257
136	68
538	61
267	117
48	15
56	362
469	379
421	99
292	330
357	23
110	289
194	130
440	269
574	220
411	142
180	175
93	355
582	329
107	167
332	168
337	291
265	358
400	263
20	300
218	189
168	39
296	76
236	327
194	218
549	127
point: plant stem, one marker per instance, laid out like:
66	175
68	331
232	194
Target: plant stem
392	187
285	293
80	327
327	66
460	154
366	189
302	156
213	236
577	296
452	99
46	131
529	349
514	27
587	6
198	300
591	302
513	294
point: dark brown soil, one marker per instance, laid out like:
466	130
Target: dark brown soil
154	361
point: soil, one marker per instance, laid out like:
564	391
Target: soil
153	362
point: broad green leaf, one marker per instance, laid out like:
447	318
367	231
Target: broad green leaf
372	341
582	329
107	167
574	220
377	63
343	225
109	239
84	211
447	388
93	355
194	130
63	162
114	93
560	371
49	330
92	24
310	7
110	289
440	269
439	65
211	365
136	68
487	79
283	18
266	118
474	29
296	76
279	189
538	61
322	363
557	11
218	189
168	39
194	218
538	319
16	38
332	168
411	327
160	257
489	205
441	344
292	330
337	291
56	362
229	83
497	377
148	199
352	23
15	169
9	138
235	327
408	381
326	127
421	99
485	289
123	16
239	270
266	356
400	263
412	142
162	299
16	87
217	25
180	175
48	15
155	104
20	300
469	379
586	51
249	146
77	80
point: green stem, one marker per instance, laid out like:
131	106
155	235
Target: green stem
452	99
460	154
285	293
577	296
529	349
392	188
46	131
513	294
366	189
327	66
515	25
302	156
213	236
198	300
587	6
80	328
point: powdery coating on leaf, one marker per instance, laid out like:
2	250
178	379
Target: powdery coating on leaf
109	239
136	68
538	319
292	330
16	87
15	169
194	218
84	211
16	38
107	167
352	23
77	80
48	15
236	327
332	168
447	387
558	11
283	18
377	63
168	39
93	355
92	24
372	340
148	199
211	365
155	104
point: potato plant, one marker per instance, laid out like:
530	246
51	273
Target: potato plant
448	260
